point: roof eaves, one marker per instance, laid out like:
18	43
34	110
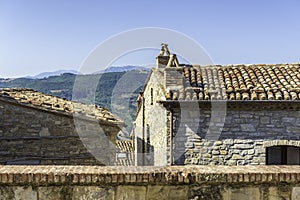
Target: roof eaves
273	103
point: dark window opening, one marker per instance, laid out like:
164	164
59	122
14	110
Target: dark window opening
148	139
151	93
283	155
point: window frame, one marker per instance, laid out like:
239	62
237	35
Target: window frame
283	152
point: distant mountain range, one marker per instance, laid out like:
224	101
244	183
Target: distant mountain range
122	69
108	70
55	73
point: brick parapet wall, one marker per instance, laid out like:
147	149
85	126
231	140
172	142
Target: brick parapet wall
173	175
145	183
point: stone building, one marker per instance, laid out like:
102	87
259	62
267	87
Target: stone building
36	128
218	115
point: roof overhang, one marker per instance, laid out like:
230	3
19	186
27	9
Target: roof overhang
235	104
87	118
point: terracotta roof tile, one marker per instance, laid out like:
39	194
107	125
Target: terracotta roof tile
125	145
40	100
240	82
126	149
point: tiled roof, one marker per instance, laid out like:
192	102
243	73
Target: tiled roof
125	153
239	82
29	97
125	145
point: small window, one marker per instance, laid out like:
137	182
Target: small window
148	139
283	155
151	93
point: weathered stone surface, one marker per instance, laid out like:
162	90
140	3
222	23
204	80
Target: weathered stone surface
92	192
214	152
288	119
228	142
223	152
33	135
246	139
265	120
218	143
245	193
164	193
248	127
53	193
131	192
206	192
251	151
281	192
295	193
207	155
6	193
237	157
21	193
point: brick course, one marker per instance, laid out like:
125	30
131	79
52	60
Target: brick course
62	174
180	182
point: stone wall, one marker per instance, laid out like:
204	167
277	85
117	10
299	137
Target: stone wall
216	132
151	125
33	136
240	138
145	183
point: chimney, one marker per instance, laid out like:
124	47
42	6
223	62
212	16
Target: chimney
168	60
162	61
173	78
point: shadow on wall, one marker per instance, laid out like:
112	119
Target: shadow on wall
144	153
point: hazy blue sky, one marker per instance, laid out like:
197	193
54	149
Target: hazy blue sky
38	36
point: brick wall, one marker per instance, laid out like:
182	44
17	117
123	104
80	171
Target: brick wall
188	182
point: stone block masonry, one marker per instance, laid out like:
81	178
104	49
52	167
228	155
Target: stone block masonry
223	115
145	183
33	135
245	133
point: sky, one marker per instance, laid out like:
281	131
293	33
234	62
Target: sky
39	36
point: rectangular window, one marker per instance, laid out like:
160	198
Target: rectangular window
274	155
293	156
283	155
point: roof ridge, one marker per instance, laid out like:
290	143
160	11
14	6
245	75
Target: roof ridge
239	65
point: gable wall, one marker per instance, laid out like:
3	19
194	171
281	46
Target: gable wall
151	125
